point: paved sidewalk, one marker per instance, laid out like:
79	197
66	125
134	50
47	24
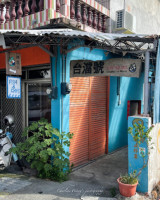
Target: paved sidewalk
95	181
11	185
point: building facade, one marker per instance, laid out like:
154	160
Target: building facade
97	109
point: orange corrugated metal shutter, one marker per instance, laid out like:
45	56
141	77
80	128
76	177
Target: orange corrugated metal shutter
89	104
79	119
98	117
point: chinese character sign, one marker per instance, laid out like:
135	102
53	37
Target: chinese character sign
13	87
13	64
87	68
135	150
112	67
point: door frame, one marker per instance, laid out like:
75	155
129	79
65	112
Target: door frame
25	83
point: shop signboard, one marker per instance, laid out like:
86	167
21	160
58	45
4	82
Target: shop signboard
111	67
13	64
13	87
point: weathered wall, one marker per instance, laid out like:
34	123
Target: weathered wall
154	159
130	89
146	12
150	175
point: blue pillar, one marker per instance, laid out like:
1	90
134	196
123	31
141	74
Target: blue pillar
135	160
66	98
60	106
56	115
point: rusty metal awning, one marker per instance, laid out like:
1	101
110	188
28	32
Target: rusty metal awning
115	43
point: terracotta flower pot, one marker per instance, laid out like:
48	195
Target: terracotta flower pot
127	190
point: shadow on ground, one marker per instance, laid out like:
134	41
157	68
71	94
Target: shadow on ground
95	179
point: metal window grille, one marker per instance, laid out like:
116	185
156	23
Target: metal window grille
15	108
120	15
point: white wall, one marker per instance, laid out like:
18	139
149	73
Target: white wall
154	159
146	12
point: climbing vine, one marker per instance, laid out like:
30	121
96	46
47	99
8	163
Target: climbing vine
141	136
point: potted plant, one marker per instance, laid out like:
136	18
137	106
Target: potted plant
128	183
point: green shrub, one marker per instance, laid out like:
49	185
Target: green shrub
45	150
129	178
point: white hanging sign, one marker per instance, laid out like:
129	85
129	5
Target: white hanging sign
13	87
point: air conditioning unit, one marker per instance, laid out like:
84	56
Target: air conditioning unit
125	22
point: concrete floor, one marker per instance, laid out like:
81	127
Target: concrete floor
104	171
96	179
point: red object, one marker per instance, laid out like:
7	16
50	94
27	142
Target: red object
104	23
1	15
7	15
58	5
26	8
89	17
13	12
41	5
84	17
78	11
99	22
72	11
128	109
129	105
20	11
127	190
34	6
94	19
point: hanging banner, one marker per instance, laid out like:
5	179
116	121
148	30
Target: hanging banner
13	87
13	64
112	67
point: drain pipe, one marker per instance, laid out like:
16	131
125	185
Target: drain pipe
146	83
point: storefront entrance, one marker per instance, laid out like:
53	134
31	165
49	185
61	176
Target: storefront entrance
38	103
34	103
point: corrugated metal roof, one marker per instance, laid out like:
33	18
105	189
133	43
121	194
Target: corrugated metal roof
72	33
107	40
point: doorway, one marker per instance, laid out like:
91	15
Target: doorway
38	103
89	114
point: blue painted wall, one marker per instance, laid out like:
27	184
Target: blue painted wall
130	89
60	106
135	161
86	54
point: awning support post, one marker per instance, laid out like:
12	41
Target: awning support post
146	83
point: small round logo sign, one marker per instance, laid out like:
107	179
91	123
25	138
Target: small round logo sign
132	68
11	62
142	151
